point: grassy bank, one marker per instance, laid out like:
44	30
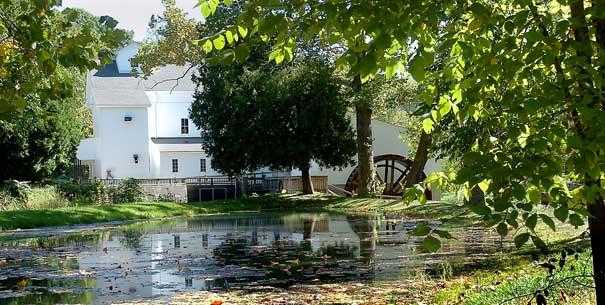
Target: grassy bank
86	214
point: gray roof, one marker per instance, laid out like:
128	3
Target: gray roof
177	140
111	88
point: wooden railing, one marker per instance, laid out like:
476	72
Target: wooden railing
252	184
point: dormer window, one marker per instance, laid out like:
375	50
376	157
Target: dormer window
184	126
135	158
128	118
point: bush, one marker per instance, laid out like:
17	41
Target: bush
85	192
17	189
95	191
38	197
128	190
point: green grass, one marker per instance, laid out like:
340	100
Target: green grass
87	214
516	282
39	197
32	218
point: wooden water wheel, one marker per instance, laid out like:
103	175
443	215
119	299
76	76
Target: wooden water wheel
391	171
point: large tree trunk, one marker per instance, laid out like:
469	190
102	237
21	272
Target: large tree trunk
365	153
420	159
596	225
307	184
596	222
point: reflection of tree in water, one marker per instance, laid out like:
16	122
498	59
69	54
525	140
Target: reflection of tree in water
131	239
285	262
36	291
366	232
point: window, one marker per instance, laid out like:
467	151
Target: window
203	165
184	126
175	165
135	157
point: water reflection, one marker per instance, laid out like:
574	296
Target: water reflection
158	259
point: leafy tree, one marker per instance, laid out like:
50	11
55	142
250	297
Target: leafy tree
36	38
45	54
522	79
254	116
40	141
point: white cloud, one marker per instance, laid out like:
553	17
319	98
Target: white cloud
132	15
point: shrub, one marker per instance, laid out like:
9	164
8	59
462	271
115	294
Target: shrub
128	190
85	192
17	189
8	202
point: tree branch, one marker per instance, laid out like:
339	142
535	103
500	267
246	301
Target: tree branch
176	79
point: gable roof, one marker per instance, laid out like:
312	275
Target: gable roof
109	87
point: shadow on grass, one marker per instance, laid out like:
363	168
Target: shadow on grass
87	214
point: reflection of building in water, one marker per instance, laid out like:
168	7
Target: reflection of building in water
179	255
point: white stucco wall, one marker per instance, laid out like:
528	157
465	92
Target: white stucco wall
118	141
189	164
169	108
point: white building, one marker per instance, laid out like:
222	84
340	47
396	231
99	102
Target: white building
142	127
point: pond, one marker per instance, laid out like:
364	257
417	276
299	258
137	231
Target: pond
154	260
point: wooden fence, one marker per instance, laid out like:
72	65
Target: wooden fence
251	184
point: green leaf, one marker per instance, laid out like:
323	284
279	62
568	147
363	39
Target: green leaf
207	46
576	220
534	195
277	55
502	229
229	37
484	185
521	239
445	106
427	125
548	221
205	9
479	208
422	229
419	63
431	244
242	31
538	242
219	42
242	52
443	234
457	94
393	68
531	221
561	213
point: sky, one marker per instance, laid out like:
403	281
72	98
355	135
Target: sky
132	15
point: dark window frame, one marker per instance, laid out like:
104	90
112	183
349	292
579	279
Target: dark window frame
175	165
184	126
203	165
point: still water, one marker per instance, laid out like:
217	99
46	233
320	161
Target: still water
154	260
